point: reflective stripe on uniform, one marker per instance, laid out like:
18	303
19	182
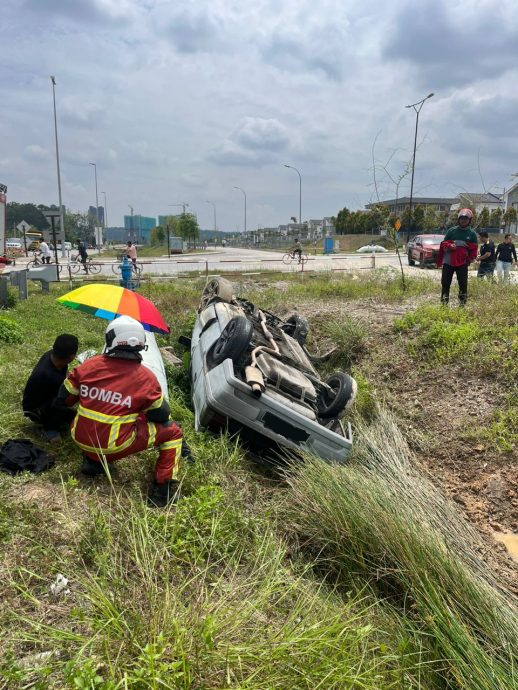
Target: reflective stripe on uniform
113	421
107	451
151	430
70	387
156	404
176	444
106	418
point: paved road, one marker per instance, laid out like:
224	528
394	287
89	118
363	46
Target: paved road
231	259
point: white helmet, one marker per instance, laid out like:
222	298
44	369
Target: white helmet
125	333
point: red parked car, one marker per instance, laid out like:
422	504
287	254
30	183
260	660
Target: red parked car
424	249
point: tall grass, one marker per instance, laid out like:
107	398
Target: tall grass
199	597
381	519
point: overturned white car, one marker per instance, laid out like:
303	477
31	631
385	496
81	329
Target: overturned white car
251	374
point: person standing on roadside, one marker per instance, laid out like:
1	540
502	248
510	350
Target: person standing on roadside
486	257
458	249
505	253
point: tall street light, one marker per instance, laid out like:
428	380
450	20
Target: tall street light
300	190
105	210
244	194
61	214
96	205
417	107
214	207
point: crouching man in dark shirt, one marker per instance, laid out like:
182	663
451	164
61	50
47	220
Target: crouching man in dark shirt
41	389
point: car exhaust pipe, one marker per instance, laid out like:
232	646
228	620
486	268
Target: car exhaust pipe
255	379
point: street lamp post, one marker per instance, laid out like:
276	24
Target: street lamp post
61	214
417	107
105	210
214	207
244	194
300	190
97	209
131	233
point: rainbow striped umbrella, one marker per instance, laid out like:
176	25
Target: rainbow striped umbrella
110	301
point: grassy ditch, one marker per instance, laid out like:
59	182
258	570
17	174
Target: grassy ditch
340	578
379	519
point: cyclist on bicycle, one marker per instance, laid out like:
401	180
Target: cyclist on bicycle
296	250
45	252
83	255
131	253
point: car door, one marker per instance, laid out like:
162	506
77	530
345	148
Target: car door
417	247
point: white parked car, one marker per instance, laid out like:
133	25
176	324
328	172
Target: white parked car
251	374
370	248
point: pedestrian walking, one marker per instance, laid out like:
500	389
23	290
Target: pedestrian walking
458	249
486	257
505	253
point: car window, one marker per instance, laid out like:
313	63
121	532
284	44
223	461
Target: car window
431	240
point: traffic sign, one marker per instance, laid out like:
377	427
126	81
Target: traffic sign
23	226
397	224
52	214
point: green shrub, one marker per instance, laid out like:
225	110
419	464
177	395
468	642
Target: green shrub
10	331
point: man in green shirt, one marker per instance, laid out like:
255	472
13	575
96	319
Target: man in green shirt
458	249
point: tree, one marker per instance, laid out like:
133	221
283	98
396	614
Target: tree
340	222
495	219
30	213
431	219
483	218
418	218
188	227
510	217
157	236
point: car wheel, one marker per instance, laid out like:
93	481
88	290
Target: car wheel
233	341
217	287
422	262
298	327
411	262
335	403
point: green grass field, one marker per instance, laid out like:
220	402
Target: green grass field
361	577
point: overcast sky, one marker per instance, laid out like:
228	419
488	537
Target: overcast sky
181	100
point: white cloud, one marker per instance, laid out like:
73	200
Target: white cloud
200	97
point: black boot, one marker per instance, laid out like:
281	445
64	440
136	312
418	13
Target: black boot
92	468
160	495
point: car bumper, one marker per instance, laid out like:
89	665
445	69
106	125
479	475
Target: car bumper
219	393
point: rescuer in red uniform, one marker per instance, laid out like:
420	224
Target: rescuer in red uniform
121	410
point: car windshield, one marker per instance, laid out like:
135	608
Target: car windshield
431	240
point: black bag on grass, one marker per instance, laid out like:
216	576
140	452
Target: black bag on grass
21	455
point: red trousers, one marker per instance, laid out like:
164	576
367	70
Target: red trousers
168	439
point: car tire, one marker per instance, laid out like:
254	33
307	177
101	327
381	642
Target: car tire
232	343
217	288
422	262
298	327
411	262
344	388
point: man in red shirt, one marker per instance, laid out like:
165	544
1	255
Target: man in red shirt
121	410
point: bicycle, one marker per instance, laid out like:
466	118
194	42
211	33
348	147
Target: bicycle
87	265
136	268
290	258
38	261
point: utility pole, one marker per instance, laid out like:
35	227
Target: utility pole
417	107
61	213
131	223
244	194
98	229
